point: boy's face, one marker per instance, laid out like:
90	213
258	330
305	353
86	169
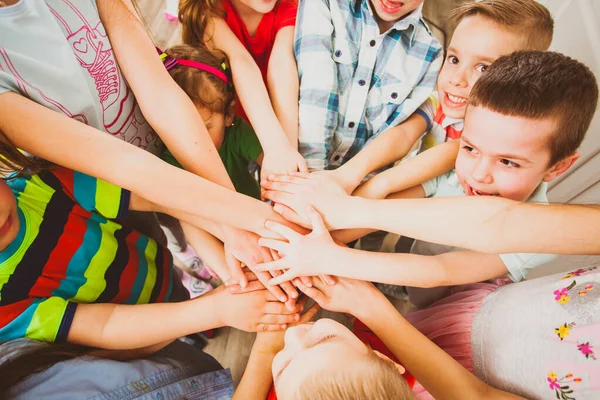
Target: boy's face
476	43
506	156
9	219
388	12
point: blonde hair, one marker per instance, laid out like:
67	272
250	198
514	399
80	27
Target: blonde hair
533	21
371	378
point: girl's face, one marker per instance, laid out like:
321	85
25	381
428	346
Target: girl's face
320	346
216	124
258	6
9	219
475	44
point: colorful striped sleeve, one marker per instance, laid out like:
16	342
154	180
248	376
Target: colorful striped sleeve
47	320
94	194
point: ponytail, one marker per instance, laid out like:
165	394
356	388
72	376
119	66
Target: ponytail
195	16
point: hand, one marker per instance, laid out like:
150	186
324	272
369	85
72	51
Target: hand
343	178
350	296
375	188
300	190
301	255
271	342
254	311
283	161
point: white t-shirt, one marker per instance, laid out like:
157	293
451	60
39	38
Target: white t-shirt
518	264
57	53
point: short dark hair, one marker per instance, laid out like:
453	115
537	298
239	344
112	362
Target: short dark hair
532	20
536	85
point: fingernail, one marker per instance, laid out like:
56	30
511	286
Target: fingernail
243	284
262	183
283	326
278	207
283	299
309	284
294	295
296	317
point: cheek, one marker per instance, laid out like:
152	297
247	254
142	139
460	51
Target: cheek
463	165
516	186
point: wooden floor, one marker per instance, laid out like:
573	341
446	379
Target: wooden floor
230	347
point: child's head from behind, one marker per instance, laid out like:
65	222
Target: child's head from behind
213	97
486	30
326	361
9	219
526	117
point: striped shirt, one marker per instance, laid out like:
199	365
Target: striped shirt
69	250
440	127
356	82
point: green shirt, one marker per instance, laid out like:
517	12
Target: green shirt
240	146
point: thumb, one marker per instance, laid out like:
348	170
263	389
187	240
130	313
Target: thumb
318	226
235	270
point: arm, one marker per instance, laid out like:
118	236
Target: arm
117	326
318	82
282	80
390	146
166	107
61	140
280	156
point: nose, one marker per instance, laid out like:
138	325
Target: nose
459	78
295	337
482	172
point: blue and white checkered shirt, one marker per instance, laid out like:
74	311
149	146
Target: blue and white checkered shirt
354	81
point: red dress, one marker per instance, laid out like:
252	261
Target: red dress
261	44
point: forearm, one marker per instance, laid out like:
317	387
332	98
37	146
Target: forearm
119	327
257	379
442	376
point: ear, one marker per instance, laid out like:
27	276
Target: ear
561	167
401	370
230	115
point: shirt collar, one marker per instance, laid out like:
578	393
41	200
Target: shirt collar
412	20
457	124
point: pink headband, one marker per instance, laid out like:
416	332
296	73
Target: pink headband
171	62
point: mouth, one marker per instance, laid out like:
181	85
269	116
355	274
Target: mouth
454	101
6	226
474	192
390	6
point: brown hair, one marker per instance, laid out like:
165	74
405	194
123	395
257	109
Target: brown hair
531	19
12	159
203	88
195	16
370	378
537	85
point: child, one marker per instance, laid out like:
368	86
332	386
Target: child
71	272
257	37
204	77
60	112
525	120
485	31
365	67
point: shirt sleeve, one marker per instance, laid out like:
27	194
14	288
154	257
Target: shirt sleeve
431	186
286	14
246	142
94	194
520	264
427	110
318	76
47	320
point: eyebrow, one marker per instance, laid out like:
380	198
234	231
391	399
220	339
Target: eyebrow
324	340
504	156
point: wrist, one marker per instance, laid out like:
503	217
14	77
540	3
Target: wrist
373	309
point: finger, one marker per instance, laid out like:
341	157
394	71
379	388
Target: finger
277	307
280	184
295	281
270	328
283	230
250	276
316	221
251	287
290	304
301	303
279	319
310	313
290	178
313	293
273	244
270	266
274	289
302	166
305	175
328	280
275	254
291	215
287	276
306	280
281	197
287	287
235	269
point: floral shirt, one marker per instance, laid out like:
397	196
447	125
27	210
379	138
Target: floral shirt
541	338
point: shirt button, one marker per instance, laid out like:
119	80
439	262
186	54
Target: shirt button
336	158
362	82
351	124
338	53
394	95
372	43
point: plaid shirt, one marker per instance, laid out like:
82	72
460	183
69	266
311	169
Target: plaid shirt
354	81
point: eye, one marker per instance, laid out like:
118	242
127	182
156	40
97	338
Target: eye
481	68
468	149
452	59
324	339
508	163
